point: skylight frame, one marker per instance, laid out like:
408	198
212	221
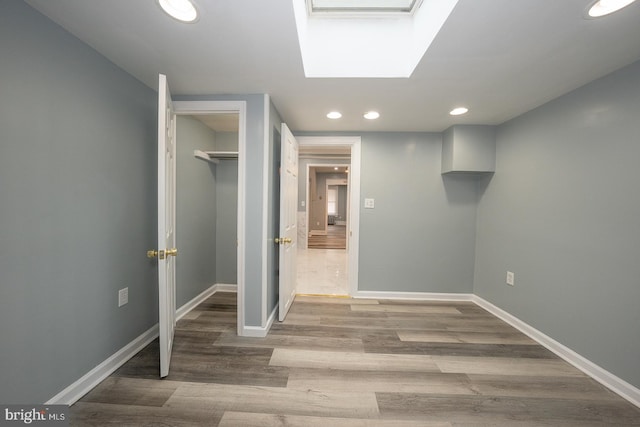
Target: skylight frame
371	10
374	45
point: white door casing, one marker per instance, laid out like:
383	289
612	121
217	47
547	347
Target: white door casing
166	223
288	239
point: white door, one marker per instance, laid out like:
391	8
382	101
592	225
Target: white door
166	223
288	239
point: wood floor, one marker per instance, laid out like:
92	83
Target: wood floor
344	362
336	238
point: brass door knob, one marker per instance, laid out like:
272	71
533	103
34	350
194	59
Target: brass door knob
282	240
171	252
152	253
287	240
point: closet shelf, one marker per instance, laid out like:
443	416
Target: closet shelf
215	156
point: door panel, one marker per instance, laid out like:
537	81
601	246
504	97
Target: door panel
166	223
288	239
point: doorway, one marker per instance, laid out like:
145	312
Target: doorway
327	202
206	206
328	215
226	161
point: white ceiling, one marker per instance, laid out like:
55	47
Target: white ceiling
500	58
220	122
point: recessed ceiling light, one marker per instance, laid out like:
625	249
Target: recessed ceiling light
335	168
334	115
605	7
458	111
371	115
182	10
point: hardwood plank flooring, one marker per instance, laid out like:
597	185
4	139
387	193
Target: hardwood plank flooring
336	238
352	363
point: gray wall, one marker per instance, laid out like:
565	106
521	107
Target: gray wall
421	235
196	210
226	220
562	212
78	191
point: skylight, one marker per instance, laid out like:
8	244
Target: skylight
367	41
362	6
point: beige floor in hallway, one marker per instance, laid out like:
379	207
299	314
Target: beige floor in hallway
323	272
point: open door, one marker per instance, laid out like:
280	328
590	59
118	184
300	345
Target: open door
167	251
288	239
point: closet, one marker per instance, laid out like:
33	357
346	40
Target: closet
207	201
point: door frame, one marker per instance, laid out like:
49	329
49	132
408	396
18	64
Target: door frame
337	183
307	201
239	107
353	231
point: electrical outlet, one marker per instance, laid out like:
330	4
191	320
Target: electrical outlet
123	296
369	203
511	278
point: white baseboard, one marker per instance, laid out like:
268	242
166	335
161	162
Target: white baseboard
421	296
186	308
259	331
604	377
226	287
91	379
218	287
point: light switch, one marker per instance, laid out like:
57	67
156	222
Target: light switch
123	296
511	278
369	203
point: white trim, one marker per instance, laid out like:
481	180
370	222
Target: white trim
91	379
218	287
187	307
604	377
353	232
207	107
419	296
226	287
261	331
306	206
242	218
265	210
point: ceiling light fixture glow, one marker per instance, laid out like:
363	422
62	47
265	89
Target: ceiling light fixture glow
606	7
458	111
334	115
371	115
182	10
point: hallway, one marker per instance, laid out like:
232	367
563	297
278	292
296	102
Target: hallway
322	272
336	238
